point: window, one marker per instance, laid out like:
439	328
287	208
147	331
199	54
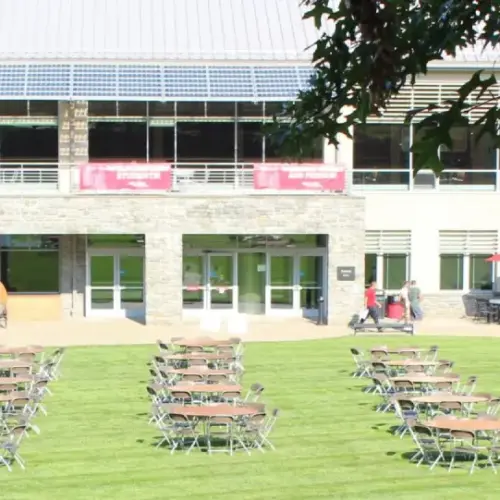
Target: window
370	268
453	268
480	273
381	147
391	269
30	271
205	142
451	275
119	141
30	143
395	271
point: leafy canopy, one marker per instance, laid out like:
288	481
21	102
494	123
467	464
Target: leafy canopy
376	48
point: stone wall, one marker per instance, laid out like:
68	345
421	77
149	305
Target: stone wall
164	219
72	275
451	305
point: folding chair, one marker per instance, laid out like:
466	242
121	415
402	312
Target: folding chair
220	428
465	448
263	435
428	448
432	353
9	448
254	392
176	430
406	411
56	359
362	365
163	347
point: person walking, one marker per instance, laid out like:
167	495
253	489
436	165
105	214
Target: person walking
415	297
3	303
371	304
405	302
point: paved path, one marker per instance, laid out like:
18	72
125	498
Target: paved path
114	332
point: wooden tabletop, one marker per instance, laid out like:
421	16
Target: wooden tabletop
464	424
448	398
205	388
200	370
424	379
16	380
409	362
20	349
14	363
209	356
399	350
216	410
202	342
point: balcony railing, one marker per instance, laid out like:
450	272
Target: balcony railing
22	177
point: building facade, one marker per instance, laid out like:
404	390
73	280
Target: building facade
130	172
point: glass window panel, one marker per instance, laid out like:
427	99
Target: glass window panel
13	108
43	108
192	299
132	270
226	109
205	142
132	108
451	274
104	108
102	270
193	275
250	142
281	270
309	298
27	241
311	271
132	298
209	241
191	109
161	109
30	271
115	240
274	108
221	298
480	273
162	143
370	268
281	298
250	109
101	299
395	274
221	270
118	141
381	147
29	143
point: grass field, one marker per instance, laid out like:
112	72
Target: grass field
96	443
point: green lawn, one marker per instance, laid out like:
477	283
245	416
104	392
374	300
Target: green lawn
96	443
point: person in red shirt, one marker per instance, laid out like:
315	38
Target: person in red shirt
371	303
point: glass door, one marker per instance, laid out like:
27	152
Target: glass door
194	282
221	289
131	284
115	284
311	283
101	289
281	283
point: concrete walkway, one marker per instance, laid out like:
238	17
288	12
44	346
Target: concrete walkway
115	332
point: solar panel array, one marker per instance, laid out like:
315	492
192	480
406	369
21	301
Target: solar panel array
108	82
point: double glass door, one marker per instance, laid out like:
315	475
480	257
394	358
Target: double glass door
295	283
115	283
209	282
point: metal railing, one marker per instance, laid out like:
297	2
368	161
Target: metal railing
29	176
368	180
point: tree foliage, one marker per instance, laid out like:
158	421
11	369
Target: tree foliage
375	49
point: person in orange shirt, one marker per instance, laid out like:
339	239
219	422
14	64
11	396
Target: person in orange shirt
3	300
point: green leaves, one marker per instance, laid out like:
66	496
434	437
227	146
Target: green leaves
377	48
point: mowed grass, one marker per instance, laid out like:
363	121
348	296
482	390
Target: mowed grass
96	442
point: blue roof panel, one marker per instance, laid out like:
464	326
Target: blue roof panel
110	82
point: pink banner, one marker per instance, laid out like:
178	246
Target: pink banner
125	177
298	177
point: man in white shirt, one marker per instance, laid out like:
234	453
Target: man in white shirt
405	301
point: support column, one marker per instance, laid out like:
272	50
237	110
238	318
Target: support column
73	142
346	247
163	280
72	262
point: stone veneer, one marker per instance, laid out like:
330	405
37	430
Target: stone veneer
164	219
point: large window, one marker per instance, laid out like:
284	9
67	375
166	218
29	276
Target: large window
454	269
117	141
381	154
389	270
29	143
30	264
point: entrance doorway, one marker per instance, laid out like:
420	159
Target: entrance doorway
277	282
209	282
115	283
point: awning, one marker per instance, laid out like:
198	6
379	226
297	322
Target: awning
125	82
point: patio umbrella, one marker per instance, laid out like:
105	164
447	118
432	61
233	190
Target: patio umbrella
494	258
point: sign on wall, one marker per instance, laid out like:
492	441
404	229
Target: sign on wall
125	177
346	273
299	177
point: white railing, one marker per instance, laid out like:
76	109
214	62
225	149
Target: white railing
28	176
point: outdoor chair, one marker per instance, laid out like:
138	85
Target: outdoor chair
28	357
386	392
453	407
464	448
429	449
172	346
420	369
468	387
21	405
198	362
9	448
217	379
230	397
159	412
406	411
404	386
380	354
163	347
263	437
56	358
432	353
362	365
192	378
177	432
483	310
379	367
225	429
254	393
181	397
7	388
9	423
443	387
258	407
444	367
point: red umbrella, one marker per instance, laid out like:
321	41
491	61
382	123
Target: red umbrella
494	258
